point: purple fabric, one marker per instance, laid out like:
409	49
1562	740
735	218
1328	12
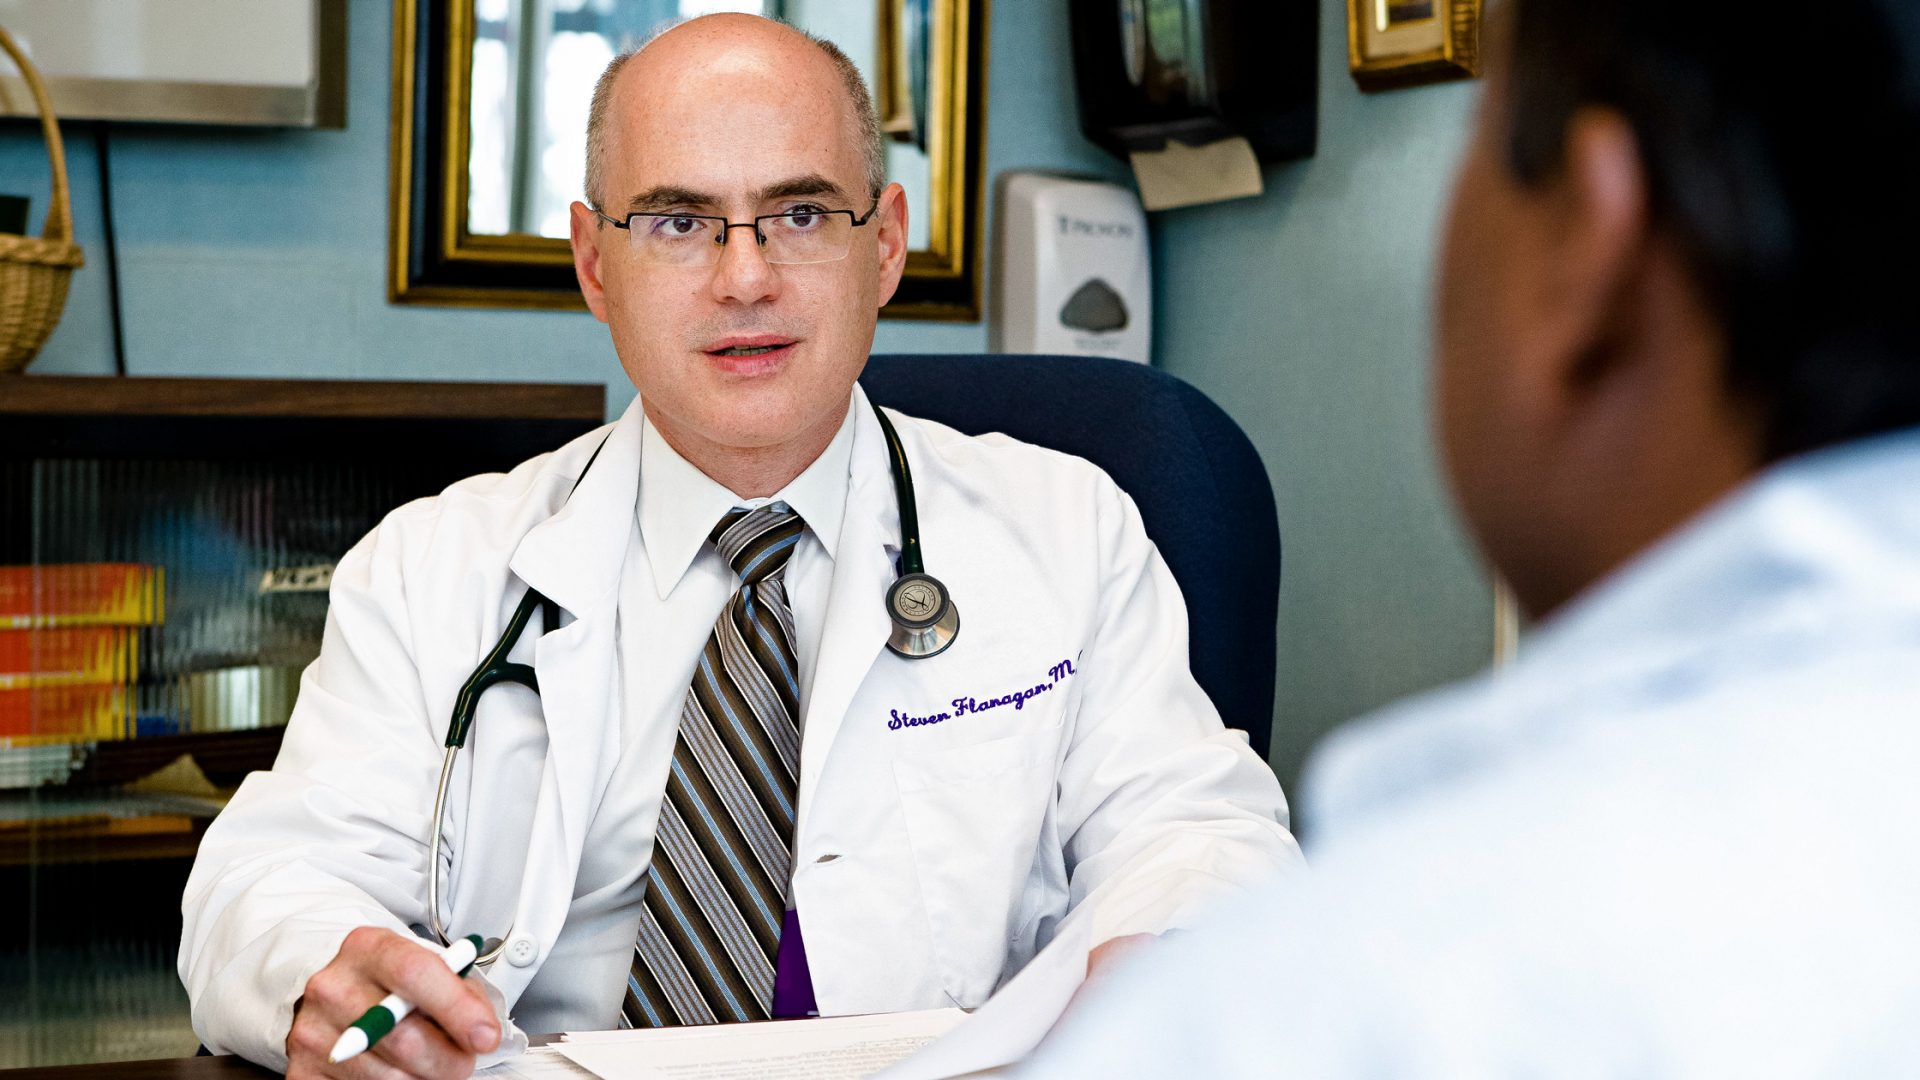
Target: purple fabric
792	983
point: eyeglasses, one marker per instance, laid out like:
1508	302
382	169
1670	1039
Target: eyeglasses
795	237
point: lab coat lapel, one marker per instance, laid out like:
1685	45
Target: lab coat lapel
575	557
856	626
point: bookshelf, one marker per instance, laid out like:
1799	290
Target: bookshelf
242	492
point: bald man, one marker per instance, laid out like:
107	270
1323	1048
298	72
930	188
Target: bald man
732	799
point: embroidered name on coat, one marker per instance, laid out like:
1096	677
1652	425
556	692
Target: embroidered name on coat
963	706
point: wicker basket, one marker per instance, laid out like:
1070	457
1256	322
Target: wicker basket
34	271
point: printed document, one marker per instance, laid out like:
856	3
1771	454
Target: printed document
828	1048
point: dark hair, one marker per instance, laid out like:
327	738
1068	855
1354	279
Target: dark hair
1782	148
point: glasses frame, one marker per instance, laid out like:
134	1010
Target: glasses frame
727	225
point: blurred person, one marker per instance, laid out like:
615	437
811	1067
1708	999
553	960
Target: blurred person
1677	381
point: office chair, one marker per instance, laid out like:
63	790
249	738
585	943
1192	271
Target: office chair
1201	488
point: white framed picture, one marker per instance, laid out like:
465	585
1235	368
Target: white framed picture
279	63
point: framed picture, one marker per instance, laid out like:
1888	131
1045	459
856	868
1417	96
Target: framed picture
901	64
274	63
478	217
1394	43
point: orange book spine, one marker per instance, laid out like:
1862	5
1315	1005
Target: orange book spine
82	594
31	715
68	656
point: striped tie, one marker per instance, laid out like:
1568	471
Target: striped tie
717	889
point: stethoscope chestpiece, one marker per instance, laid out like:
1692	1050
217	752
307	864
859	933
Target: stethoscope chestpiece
925	621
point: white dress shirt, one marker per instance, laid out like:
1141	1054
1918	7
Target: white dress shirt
1679	837
673	586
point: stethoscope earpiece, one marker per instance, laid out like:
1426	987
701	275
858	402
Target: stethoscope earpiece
925	621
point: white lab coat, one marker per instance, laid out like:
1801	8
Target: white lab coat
932	860
1680	837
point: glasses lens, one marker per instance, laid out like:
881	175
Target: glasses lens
674	239
807	236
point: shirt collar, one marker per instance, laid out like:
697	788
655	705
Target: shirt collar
679	505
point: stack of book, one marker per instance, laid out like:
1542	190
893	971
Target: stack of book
70	649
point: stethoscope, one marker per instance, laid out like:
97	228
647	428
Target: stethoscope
925	622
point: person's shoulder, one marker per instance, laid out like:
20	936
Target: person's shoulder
1405	750
1696	876
1776	708
1610	889
1554	830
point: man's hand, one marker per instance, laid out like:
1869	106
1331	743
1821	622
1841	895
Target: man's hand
452	1020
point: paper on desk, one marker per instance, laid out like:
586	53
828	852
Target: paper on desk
829	1048
1183	175
539	1063
1013	1021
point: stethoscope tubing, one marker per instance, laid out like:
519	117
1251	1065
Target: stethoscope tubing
911	561
498	945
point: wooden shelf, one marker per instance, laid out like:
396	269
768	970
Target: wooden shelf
414	437
76	824
91	395
473	427
99	838
225	756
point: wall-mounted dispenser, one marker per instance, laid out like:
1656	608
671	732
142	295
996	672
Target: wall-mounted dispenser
1071	269
1164	77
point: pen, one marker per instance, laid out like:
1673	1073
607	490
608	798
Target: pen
393	1008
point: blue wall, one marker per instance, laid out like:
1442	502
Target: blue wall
263	253
1304	313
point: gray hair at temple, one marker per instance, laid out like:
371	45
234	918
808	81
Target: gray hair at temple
866	120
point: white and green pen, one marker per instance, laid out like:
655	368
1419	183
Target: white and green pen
392	1009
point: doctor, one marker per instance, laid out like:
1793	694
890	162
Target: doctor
731	797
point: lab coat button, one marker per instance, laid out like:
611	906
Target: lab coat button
523	951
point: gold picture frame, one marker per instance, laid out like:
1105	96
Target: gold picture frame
893	94
1395	43
433	257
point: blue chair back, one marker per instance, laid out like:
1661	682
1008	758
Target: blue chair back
1201	488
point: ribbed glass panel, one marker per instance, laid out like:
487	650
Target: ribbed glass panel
244	549
238	554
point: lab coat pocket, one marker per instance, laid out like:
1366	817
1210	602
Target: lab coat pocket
974	817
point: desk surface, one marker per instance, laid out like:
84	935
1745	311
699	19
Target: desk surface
193	1068
224	1067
